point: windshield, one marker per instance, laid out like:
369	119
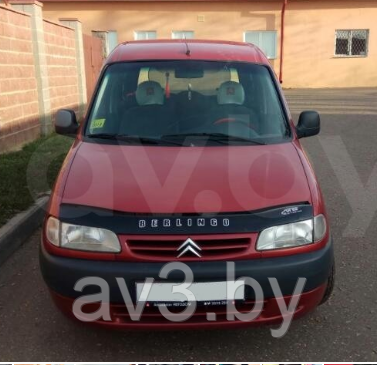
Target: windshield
168	102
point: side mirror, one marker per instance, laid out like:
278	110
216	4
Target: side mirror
66	122
309	124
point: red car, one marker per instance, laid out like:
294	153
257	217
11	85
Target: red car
188	153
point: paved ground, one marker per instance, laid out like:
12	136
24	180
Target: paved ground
342	330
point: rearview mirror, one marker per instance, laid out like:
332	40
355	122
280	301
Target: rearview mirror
188	73
309	124
66	122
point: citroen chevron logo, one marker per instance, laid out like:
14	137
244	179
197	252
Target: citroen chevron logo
189	245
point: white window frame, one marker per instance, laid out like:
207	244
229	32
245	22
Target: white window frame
136	32
350	43
113	32
265	31
182	31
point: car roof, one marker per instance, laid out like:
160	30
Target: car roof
187	49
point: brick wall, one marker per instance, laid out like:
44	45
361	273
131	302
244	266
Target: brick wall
19	120
61	66
41	70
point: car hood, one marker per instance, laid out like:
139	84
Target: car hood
156	179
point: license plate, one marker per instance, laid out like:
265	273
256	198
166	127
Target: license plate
210	292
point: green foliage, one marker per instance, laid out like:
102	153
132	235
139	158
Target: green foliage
27	174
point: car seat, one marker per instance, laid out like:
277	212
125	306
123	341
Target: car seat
150	117
230	108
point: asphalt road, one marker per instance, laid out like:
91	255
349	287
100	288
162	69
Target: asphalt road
344	329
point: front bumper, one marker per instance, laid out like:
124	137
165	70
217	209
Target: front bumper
61	274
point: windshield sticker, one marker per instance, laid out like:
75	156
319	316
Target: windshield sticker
98	123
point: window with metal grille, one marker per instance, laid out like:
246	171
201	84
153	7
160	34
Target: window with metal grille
182	34
266	40
350	43
145	34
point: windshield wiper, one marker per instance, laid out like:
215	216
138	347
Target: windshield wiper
130	138
217	137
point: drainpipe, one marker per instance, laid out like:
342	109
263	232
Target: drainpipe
285	2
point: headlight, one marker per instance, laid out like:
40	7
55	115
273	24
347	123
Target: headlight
81	238
292	234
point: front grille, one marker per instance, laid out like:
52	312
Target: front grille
166	249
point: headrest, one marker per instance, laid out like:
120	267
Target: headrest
150	93
230	92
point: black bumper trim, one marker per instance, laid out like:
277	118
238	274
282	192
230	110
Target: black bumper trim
61	273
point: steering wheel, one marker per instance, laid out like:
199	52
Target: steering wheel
234	120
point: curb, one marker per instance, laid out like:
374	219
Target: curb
14	233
